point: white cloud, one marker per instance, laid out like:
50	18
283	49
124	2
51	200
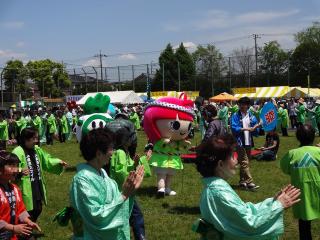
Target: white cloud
190	46
92	63
218	19
7	54
128	56
13	24
95	62
20	44
254	17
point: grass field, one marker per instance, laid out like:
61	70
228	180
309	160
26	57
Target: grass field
171	217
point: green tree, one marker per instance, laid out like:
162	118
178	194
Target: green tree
306	57
186	66
167	60
50	77
274	62
15	77
210	65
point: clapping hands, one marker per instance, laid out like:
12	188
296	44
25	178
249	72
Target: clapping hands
288	196
132	182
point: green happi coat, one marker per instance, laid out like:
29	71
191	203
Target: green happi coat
317	113
223	115
313	119
120	166
43	129
4	135
36	123
233	219
98	201
47	163
69	120
283	118
233	109
301	114
21	124
52	124
64	123
303	166
136	120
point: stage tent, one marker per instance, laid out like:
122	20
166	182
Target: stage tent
123	97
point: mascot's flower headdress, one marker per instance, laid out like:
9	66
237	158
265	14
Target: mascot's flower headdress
166	108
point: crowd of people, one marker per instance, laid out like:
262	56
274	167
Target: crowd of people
102	201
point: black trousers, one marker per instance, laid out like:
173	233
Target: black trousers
293	120
137	222
305	230
284	131
49	137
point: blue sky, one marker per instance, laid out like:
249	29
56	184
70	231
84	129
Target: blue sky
75	30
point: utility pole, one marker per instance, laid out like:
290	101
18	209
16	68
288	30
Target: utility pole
230	74
163	77
179	74
255	36
100	55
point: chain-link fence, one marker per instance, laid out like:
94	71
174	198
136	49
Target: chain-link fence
210	77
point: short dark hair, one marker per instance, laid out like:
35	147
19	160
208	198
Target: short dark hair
244	100
7	158
210	111
26	134
97	139
305	134
210	152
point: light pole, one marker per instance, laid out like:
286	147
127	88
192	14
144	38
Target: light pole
179	74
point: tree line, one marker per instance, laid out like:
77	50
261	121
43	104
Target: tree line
206	69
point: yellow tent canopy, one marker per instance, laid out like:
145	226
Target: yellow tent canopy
223	97
298	92
266	92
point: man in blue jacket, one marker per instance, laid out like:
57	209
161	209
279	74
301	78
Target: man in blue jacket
244	126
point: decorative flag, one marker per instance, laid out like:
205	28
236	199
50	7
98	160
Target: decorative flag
269	117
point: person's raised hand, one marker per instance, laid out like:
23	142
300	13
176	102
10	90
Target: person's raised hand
288	196
138	176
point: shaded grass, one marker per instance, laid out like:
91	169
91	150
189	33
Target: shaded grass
171	217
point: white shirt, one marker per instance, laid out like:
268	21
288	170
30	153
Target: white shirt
246	124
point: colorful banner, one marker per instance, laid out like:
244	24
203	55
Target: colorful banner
244	90
269	117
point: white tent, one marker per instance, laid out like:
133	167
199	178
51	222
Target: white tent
123	97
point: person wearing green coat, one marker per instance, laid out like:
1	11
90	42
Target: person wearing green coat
33	162
21	123
120	167
70	122
283	119
317	113
303	166
224	215
62	124
51	127
234	108
135	119
301	112
223	115
36	123
4	135
43	129
103	208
